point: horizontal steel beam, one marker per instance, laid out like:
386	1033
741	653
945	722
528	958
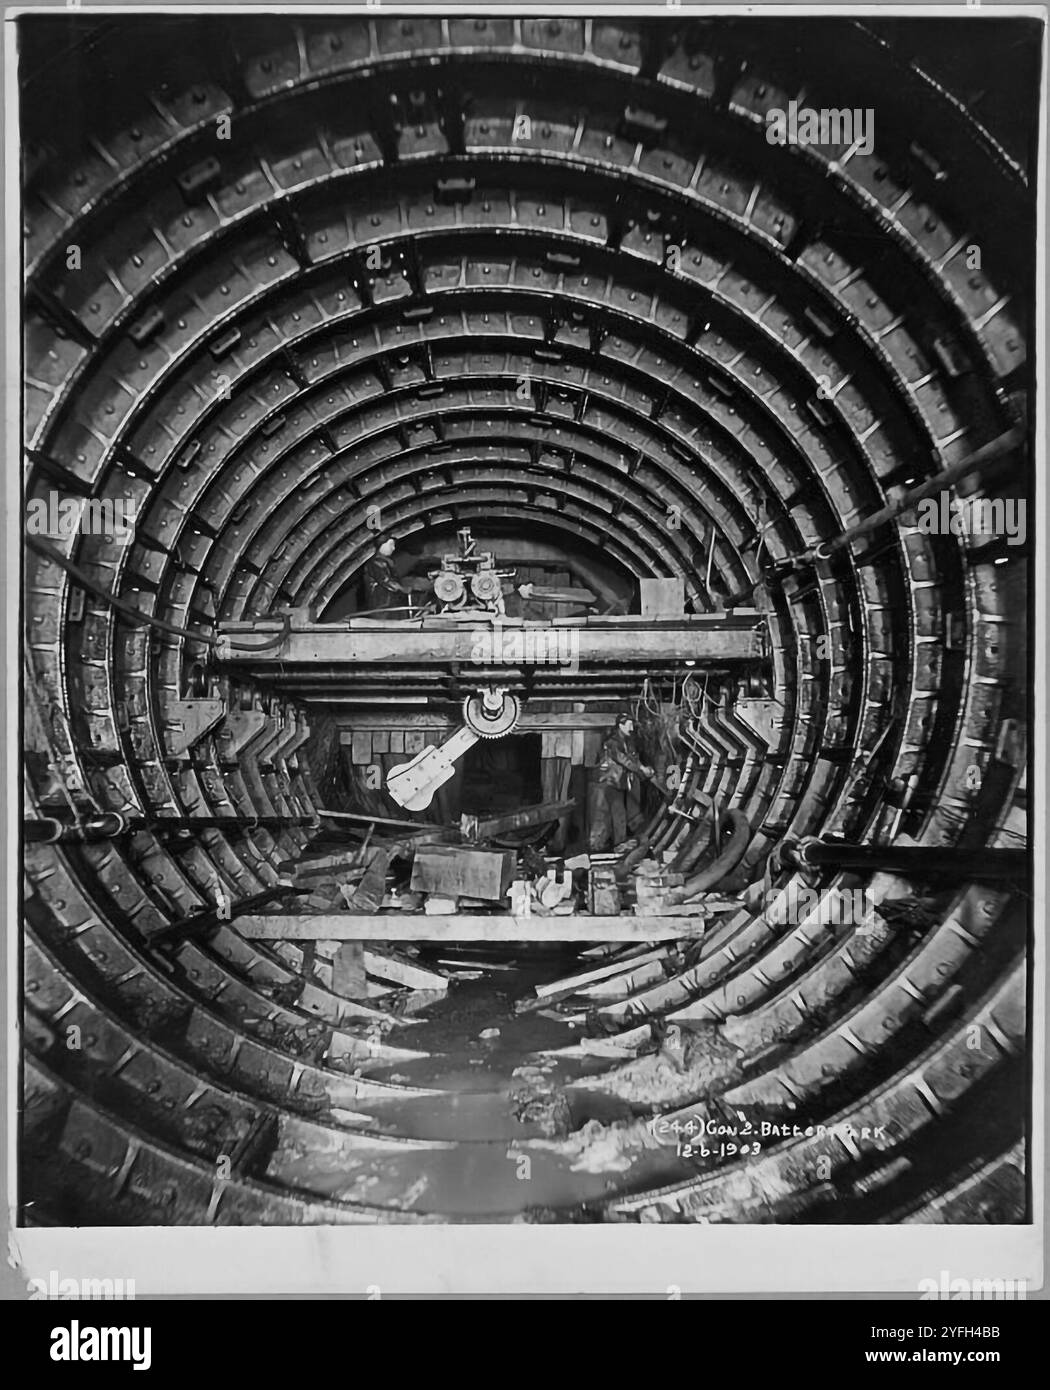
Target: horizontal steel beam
549	647
458	926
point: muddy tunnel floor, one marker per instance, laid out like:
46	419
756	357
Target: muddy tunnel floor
498	1120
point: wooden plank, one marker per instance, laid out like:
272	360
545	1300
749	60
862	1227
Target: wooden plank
516	820
361	749
348	972
370	890
329	865
561	744
499	927
623	966
531	721
734	636
402	971
363	819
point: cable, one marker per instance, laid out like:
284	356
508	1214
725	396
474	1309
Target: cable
274	641
128	610
719	868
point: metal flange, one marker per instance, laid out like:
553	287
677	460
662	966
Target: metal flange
484	717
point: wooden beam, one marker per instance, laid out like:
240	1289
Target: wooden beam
360	818
529	816
500	927
622	966
726	638
538	722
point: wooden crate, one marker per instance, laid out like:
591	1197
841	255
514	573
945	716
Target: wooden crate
456	872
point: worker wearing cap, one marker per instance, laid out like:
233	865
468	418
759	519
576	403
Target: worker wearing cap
383	587
618	765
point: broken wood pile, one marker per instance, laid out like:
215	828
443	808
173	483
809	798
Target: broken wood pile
615	975
354	878
396	868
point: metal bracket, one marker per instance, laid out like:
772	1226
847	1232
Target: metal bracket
187	723
242	725
763	717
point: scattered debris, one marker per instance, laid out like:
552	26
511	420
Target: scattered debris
544	1107
701	1061
370	892
653	883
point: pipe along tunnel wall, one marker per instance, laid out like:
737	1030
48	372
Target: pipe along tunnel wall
290	280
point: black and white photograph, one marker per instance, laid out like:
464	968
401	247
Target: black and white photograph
528	626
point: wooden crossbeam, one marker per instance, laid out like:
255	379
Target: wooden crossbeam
502	927
538	721
728	638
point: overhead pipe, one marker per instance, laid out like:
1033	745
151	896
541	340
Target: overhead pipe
988	453
948	477
918	861
109	825
50	829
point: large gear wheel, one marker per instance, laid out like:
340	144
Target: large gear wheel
488	724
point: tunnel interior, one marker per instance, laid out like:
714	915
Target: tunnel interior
756	412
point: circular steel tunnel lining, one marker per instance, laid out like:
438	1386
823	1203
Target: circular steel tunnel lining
547	272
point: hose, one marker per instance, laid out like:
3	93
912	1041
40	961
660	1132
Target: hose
128	610
739	838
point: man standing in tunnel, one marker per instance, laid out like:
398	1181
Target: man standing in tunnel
618	765
383	587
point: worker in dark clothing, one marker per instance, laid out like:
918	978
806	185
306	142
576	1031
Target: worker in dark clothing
617	767
383	587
